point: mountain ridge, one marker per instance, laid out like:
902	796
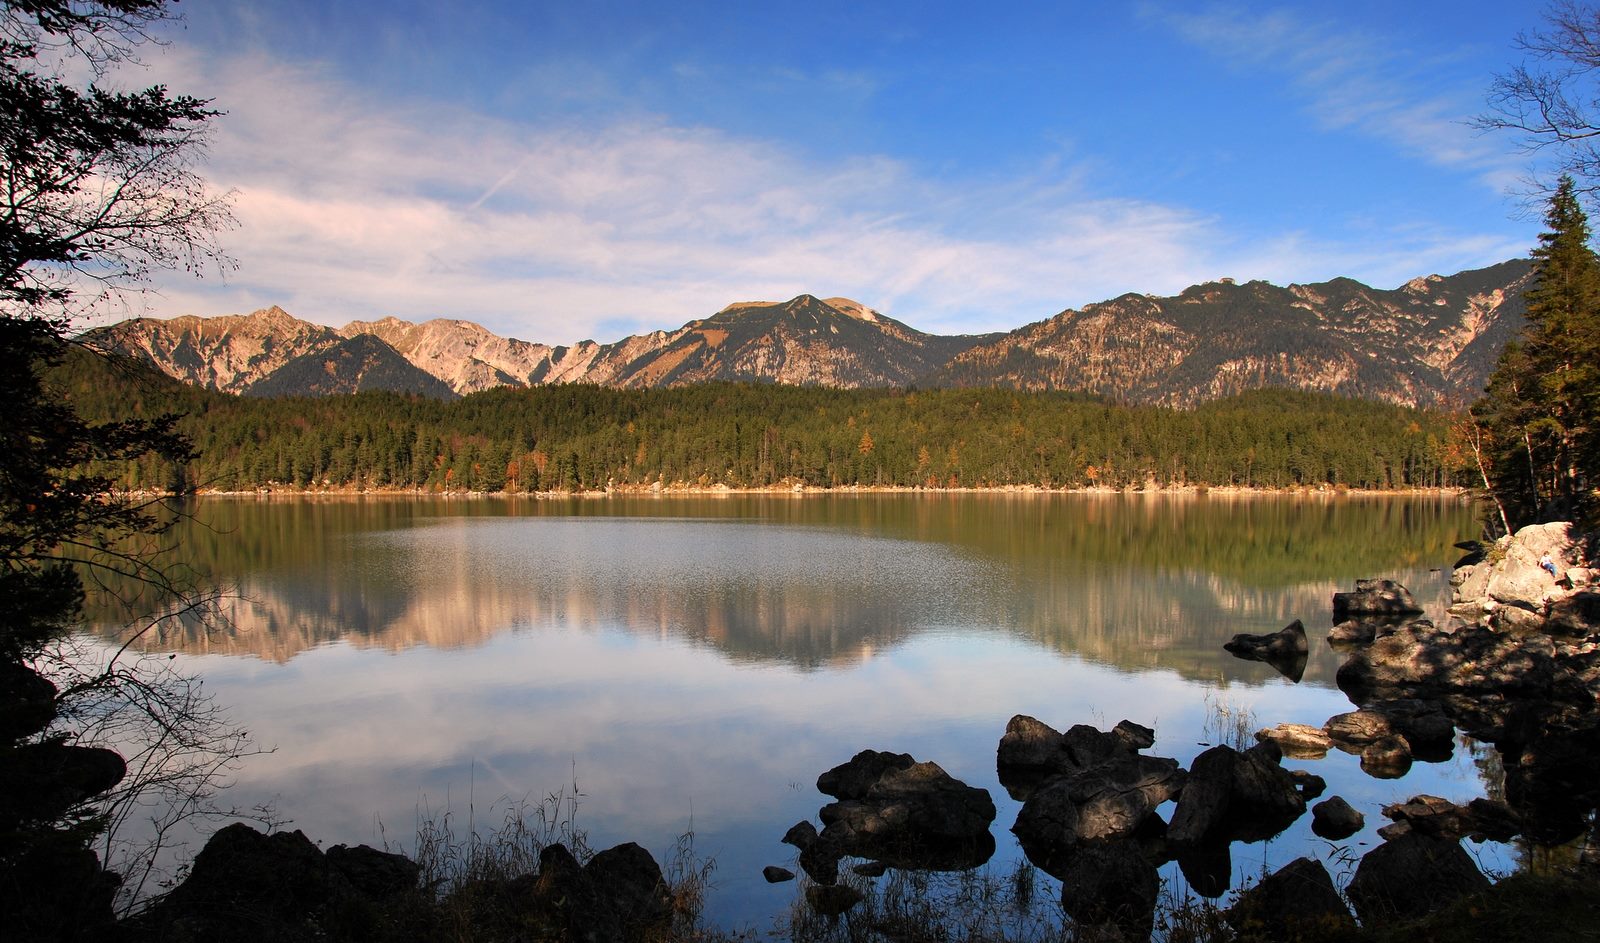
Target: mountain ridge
1431	341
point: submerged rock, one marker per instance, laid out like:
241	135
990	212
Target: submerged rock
832	900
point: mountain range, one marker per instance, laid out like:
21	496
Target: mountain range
1432	341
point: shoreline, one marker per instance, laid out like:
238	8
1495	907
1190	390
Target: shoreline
715	491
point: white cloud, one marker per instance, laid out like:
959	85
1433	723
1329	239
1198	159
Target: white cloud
1352	80
355	207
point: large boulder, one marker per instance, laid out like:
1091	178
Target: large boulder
1471	660
249	885
916	816
1412	876
1238	796
1574	616
1518	579
1115	797
373	873
1111	802
1374	598
1298	901
852	780
1425	727
1032	751
1047	826
1031	745
27	701
40	781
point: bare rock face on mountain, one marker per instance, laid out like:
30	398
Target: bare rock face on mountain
1432	340
1421	344
227	353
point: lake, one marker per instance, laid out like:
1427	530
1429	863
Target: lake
693	663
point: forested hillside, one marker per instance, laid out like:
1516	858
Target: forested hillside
575	437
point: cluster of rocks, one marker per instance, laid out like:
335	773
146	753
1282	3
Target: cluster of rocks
247	885
1088	817
1517	666
51	883
1387	735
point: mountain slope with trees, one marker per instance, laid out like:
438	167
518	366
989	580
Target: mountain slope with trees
583	437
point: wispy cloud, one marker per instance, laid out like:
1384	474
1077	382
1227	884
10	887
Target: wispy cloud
1352	80
354	207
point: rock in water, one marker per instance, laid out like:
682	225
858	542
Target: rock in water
1297	902
1335	820
913	816
852	780
1285	650
1412	876
1297	741
1374	598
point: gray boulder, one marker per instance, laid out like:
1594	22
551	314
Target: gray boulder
1471	660
1517	579
1575	616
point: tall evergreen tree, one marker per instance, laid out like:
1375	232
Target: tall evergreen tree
1541	409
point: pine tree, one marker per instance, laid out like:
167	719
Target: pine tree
1541	410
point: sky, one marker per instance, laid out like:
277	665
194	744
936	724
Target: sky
563	171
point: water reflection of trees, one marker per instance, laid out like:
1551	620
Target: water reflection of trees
1138	582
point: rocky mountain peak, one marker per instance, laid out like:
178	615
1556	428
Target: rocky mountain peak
1431	341
854	309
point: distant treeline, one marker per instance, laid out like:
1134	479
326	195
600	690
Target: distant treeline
573	437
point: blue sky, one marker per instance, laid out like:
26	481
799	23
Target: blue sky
567	171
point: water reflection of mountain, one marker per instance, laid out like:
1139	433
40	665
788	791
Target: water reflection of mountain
1135	582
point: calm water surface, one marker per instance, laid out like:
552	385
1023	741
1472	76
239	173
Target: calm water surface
694	663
